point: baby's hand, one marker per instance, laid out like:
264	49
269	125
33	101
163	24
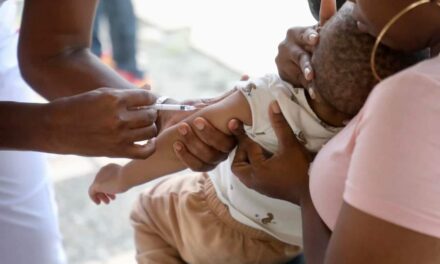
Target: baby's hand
107	184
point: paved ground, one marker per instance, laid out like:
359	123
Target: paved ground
102	234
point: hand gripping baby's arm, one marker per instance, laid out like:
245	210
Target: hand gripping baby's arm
113	179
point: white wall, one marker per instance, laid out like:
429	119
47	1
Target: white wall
243	34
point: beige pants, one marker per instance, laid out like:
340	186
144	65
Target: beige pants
181	220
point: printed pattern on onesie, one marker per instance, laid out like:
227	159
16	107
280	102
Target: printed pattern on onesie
308	128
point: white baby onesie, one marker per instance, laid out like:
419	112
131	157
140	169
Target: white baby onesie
276	217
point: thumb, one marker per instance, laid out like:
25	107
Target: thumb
255	154
247	148
328	9
286	137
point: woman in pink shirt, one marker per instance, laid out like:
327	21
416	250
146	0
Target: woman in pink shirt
372	194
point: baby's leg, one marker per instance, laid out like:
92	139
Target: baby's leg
181	220
153	239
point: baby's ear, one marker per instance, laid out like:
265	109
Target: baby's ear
328	9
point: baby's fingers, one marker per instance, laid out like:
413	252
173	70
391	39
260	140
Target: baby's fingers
93	195
98	197
95	199
103	198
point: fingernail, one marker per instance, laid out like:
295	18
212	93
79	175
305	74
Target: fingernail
313	38
308	73
362	27
182	130
200	125
233	124
312	93
275	108
177	146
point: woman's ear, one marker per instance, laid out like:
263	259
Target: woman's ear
327	10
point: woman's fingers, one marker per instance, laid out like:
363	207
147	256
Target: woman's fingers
304	37
286	138
248	150
189	159
201	145
327	10
138	118
211	136
249	156
293	58
241	166
132	98
306	66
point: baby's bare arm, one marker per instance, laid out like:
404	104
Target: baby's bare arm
164	160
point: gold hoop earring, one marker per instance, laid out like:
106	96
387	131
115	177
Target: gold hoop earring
388	26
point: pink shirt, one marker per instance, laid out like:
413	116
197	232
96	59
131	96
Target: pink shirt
386	162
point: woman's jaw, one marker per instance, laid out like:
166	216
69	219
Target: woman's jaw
416	30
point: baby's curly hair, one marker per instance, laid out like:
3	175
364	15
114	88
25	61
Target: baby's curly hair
341	62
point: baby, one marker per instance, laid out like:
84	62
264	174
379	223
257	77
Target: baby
214	218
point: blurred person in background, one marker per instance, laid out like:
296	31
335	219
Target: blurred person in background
122	28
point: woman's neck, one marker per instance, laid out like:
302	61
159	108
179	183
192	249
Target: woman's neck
435	49
434	43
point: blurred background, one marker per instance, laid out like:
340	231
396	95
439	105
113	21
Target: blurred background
183	49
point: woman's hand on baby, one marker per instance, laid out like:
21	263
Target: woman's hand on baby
107	184
284	175
202	146
294	52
